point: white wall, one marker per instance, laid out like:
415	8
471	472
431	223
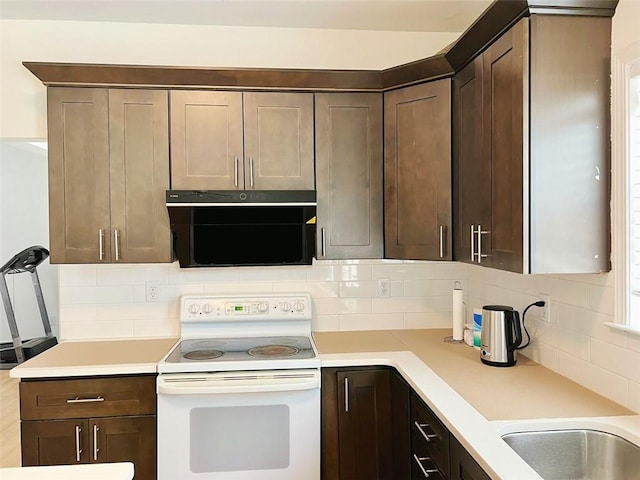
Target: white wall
24	222
22	96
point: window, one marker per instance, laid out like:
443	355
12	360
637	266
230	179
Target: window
634	195
626	187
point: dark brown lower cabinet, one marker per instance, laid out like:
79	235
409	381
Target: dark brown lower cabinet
463	466
364	418
94	440
376	427
429	442
90	420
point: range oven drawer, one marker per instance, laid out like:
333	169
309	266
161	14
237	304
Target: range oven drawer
88	397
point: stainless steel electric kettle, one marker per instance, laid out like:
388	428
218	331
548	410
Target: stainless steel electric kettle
500	335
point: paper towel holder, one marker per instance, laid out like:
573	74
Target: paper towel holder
457	286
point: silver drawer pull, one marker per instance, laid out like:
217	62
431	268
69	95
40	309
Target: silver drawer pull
85	400
427	436
425	471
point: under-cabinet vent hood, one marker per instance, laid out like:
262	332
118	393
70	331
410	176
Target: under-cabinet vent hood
242	227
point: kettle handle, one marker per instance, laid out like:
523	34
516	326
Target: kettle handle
514	317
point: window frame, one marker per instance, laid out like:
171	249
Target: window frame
620	201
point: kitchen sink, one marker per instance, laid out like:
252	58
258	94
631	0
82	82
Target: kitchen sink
577	454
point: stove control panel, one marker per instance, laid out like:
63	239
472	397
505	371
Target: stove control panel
265	307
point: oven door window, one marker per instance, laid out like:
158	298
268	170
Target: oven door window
228	439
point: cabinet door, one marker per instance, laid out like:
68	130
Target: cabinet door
139	159
349	175
417	172
54	442
505	65
125	439
400	432
78	137
278	141
470	181
206	140
463	465
364	419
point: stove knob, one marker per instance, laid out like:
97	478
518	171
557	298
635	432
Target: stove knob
298	306
263	307
286	306
207	308
193	308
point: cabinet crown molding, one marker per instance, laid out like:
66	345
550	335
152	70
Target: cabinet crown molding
495	20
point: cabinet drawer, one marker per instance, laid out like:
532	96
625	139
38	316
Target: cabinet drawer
422	463
87	397
430	435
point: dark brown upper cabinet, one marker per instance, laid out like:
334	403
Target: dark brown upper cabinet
108	173
468	175
417	171
349	175
235	140
531	153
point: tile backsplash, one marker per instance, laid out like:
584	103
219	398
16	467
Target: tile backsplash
109	301
574	342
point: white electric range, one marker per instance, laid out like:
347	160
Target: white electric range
239	394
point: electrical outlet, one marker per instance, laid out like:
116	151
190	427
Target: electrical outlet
383	287
152	291
545	312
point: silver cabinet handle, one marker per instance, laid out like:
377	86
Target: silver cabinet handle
479	233
85	400
116	236
324	242
346	394
95	442
235	171
425	471
441	241
251	171
101	244
427	436
78	449
473	239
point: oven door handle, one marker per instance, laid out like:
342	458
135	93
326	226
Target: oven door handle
237	382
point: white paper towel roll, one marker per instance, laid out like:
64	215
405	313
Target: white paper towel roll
458	314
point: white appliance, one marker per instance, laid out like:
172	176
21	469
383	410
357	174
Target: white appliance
239	394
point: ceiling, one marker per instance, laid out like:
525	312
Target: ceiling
383	15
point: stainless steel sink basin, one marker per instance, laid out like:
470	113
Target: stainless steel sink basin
569	454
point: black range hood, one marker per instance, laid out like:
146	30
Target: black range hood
242	227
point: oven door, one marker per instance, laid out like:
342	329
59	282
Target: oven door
239	425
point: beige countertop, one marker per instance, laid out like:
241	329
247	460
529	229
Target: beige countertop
96	357
477	402
524	391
